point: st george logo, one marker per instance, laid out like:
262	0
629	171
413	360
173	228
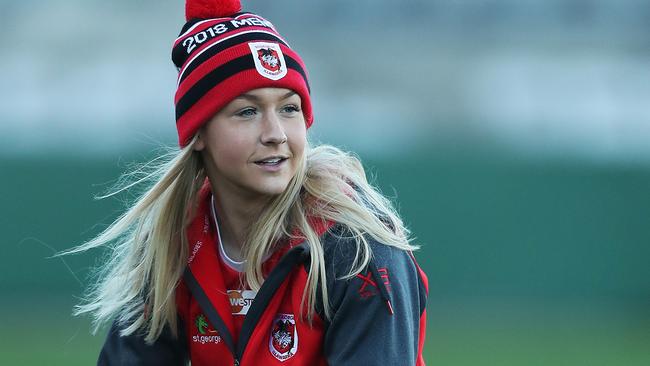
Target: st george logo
202	325
269	60
283	342
206	334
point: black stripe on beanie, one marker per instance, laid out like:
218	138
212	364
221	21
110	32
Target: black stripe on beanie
180	53
210	80
293	64
235	40
221	73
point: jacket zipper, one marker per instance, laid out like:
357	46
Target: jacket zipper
277	276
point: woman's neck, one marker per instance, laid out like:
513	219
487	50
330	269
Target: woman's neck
235	217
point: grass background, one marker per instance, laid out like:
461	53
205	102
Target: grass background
530	262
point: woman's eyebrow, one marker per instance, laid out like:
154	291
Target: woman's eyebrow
288	95
255	98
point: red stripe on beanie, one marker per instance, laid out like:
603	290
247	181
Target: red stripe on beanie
291	53
197	74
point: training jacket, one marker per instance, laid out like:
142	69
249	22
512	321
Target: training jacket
377	317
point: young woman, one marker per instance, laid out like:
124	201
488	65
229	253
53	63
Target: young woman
250	247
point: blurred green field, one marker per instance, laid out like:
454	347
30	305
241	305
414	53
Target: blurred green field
463	333
530	262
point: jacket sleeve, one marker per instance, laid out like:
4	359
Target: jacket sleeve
369	327
132	350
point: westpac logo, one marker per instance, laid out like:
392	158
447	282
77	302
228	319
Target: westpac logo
241	301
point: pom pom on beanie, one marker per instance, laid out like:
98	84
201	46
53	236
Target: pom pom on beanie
204	9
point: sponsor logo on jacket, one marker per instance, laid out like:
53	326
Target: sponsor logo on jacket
206	334
241	301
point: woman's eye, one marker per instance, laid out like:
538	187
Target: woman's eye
247	112
291	108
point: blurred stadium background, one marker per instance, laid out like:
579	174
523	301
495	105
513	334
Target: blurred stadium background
514	135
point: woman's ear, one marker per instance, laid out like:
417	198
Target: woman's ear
199	144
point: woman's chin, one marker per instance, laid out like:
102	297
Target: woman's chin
274	189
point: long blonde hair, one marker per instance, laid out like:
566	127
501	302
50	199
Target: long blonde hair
149	249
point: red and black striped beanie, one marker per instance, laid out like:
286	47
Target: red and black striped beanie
223	52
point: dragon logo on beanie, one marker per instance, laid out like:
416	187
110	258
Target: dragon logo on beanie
269	60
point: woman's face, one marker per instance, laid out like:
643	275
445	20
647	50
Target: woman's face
241	144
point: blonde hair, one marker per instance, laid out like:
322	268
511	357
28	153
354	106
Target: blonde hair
149	249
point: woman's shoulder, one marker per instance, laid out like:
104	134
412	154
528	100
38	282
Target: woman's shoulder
388	294
342	249
339	242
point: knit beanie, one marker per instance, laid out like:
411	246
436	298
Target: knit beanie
221	53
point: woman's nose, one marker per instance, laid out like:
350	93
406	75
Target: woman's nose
273	131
